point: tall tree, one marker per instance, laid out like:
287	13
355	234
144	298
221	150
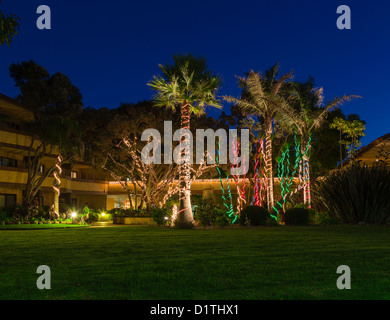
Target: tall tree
261	96
189	86
9	27
56	104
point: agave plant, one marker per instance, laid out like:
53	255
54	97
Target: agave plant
357	194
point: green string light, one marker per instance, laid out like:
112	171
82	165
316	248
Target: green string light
229	208
286	179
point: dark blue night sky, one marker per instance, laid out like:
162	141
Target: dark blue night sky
111	49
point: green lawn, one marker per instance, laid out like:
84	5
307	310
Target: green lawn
156	263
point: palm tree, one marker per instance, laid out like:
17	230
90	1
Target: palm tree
187	85
261	96
303	112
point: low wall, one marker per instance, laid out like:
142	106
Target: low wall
132	220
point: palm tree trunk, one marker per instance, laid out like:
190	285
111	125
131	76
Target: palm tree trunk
306	188
268	168
306	174
185	218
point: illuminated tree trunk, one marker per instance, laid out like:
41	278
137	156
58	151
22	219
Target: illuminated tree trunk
184	217
268	168
56	186
306	174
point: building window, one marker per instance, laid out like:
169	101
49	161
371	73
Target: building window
41	168
7	162
7	200
73	174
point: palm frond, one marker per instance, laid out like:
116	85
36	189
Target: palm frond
335	103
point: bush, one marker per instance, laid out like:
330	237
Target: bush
209	214
159	216
205	213
93	216
323	218
133	213
254	216
221	221
296	216
357	194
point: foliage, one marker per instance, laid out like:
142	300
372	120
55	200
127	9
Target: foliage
297	216
9	27
56	104
357	194
323	218
187	81
132	213
209	214
254	216
221	221
161	216
353	130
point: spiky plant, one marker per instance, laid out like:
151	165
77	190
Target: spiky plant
189	86
357	194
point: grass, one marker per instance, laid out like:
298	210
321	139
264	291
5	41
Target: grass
158	263
39	226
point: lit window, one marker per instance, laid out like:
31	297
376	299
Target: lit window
73	174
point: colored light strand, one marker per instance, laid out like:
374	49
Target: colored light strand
255	199
229	207
285	178
241	199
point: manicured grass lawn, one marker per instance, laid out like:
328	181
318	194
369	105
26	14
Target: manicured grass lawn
156	263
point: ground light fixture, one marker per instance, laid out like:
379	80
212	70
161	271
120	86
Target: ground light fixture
73	215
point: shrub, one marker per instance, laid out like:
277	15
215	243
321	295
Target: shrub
296	216
120	212
159	216
205	213
93	216
357	194
254	216
221	221
323	218
208	214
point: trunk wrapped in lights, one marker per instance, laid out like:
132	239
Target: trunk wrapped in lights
56	185
184	215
